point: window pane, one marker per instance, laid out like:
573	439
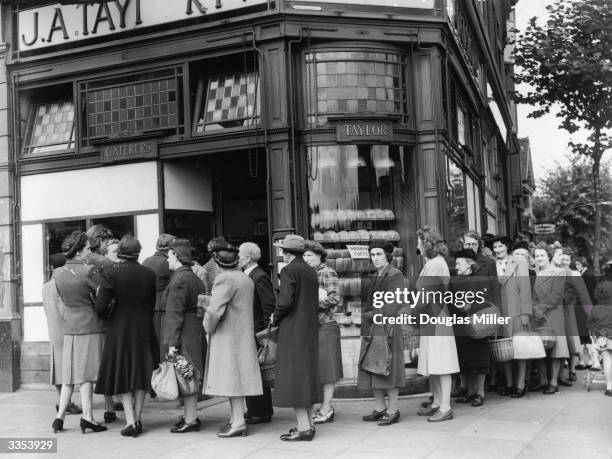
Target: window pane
51	127
56	233
456	201
119	226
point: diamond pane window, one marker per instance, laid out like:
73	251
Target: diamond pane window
342	82
227	101
51	128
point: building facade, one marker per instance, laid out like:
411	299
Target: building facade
345	122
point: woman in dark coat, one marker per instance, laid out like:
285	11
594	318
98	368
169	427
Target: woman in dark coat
181	327
473	354
386	279
131	349
297	382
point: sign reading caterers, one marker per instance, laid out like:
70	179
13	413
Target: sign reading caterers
57	24
144	149
364	131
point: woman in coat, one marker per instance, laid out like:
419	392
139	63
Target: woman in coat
181	327
386	279
297	383
548	293
232	368
83	331
474	356
438	351
131	349
513	276
330	353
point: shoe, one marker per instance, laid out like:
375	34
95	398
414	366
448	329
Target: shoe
374	416
152	394
563	383
477	400
389	419
608	393
110	416
428	411
551	389
572	376
73	408
118	406
581	367
139	426
465	399
296	435
130	431
506	391
234	432
180	422
320	418
57	425
85	424
439	416
518	393
461	392
193	426
428	403
257	419
538	388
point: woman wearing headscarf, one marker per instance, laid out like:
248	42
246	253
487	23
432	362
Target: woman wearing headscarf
232	368
181	327
386	279
131	349
438	351
83	331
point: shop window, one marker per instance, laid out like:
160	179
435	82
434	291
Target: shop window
473	205
56	233
130	106
456	201
358	194
343	82
47	122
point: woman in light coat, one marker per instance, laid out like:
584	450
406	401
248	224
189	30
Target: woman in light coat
232	368
513	277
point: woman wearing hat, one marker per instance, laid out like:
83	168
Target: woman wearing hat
513	277
330	354
232	368
473	354
386	279
83	331
297	383
181	327
131	349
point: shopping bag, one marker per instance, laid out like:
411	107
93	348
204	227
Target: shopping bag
164	383
185	376
528	345
376	353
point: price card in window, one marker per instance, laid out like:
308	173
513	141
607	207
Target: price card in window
359	251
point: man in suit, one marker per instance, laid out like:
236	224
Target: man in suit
259	408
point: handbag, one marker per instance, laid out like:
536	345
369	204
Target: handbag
163	381
185	376
266	355
375	356
527	344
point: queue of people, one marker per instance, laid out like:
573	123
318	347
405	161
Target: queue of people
112	320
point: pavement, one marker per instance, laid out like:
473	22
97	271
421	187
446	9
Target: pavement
572	423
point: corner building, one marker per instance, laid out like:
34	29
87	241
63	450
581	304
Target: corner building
345	122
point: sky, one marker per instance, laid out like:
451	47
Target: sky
548	142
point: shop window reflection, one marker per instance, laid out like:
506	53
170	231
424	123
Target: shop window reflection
455	198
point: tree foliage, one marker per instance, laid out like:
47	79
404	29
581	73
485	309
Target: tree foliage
567	64
565	197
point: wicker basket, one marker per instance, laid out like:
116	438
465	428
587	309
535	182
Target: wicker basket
480	331
547	333
501	348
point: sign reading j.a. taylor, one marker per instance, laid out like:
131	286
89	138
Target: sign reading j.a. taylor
364	131
58	24
143	149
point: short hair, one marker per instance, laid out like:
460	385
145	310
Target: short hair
473	235
582	260
432	242
567	251
74	243
522	244
251	250
315	247
96	234
549	249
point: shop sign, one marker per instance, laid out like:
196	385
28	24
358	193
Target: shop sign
542	229
58	24
143	149
359	251
364	131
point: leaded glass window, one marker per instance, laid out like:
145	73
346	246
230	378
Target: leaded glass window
340	82
227	101
50	128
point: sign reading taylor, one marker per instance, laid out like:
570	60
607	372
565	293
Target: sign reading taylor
351	131
57	24
143	149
